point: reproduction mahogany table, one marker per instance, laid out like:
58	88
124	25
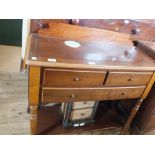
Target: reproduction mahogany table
73	69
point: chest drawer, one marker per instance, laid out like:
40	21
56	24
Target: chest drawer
69	78
90	94
84	104
81	114
128	78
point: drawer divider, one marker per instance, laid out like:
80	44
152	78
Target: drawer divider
106	77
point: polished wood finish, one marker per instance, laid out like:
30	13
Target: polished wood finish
136	28
33	94
90	55
97	51
88	94
128	78
73	32
73	78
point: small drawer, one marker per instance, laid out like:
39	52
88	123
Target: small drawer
128	78
81	114
84	104
70	78
90	94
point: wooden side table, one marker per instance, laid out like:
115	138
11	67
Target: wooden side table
108	69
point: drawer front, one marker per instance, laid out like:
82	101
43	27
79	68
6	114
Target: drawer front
128	78
84	104
68	78
90	94
81	114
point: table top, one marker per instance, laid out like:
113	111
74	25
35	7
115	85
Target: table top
101	53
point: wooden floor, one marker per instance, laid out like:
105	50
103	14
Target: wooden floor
13	103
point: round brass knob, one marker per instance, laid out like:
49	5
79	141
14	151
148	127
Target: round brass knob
73	96
123	93
130	79
77	79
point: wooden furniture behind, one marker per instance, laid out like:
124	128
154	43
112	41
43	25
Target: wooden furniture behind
141	29
145	118
103	67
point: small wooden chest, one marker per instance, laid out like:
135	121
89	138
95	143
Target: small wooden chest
77	114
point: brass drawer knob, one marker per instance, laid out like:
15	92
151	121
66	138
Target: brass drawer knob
130	79
123	93
76	79
73	96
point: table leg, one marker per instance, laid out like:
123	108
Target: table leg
34	88
127	125
33	119
137	105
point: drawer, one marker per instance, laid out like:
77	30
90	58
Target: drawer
81	114
128	78
84	104
70	78
90	94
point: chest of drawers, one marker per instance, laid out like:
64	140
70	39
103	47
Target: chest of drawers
96	69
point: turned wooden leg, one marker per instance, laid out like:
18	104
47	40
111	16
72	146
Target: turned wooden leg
127	125
137	105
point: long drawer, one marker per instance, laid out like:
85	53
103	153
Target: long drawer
89	94
128	78
70	78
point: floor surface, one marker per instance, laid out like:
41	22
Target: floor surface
10	58
13	103
13	92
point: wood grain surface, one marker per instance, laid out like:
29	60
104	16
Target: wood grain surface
73	78
90	94
90	54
